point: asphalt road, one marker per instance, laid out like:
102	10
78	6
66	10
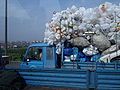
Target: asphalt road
47	88
13	64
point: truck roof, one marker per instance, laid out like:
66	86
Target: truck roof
39	44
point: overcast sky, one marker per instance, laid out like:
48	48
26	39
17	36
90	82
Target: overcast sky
27	18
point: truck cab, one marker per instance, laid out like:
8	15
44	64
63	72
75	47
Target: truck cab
39	55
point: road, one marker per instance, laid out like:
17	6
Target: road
47	88
13	64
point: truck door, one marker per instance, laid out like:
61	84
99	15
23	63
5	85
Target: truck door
33	58
50	61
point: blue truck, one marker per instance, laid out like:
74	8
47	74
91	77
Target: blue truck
41	66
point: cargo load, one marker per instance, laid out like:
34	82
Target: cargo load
96	30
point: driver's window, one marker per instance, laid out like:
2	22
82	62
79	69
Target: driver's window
34	53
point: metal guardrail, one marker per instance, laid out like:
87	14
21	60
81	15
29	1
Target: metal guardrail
73	78
107	80
99	76
56	78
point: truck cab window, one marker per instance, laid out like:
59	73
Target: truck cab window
34	53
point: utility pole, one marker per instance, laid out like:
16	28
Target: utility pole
6	27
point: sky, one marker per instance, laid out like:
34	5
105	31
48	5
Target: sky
27	18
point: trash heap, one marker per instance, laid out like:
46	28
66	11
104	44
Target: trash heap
96	30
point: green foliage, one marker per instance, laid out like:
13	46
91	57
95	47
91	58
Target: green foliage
16	53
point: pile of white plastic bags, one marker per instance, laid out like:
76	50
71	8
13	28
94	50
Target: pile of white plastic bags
93	27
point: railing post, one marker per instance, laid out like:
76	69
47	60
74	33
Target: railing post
95	65
88	79
95	79
91	79
115	66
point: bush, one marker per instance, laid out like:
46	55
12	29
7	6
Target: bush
16	53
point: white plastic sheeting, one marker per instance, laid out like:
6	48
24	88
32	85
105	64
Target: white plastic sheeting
73	22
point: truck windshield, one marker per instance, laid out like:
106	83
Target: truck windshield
34	53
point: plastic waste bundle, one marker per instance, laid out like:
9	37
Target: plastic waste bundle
72	23
89	51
